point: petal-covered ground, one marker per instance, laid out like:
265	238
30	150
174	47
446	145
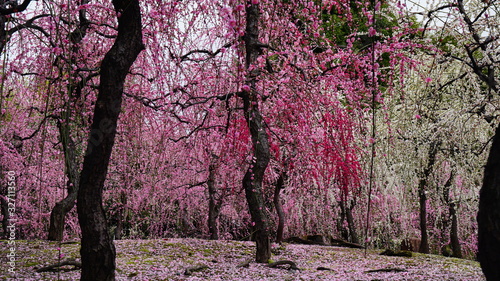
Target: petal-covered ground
168	259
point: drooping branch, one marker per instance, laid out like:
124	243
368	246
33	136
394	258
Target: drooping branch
11	7
190	185
431	12
190	101
40	125
30	24
210	54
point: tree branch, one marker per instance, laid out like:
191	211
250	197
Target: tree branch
11	7
210	54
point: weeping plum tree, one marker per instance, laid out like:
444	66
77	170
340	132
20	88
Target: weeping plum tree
66	58
479	42
97	249
64	124
297	77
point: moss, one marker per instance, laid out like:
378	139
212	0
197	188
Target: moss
31	264
316	257
145	250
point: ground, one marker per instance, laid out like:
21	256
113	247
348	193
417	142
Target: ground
168	259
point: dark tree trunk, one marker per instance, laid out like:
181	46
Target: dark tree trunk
349	233
214	205
3	42
488	217
280	184
422	187
120	216
97	248
5	214
446	220
454	240
259	216
252	181
58	214
353	234
456	249
344	232
424	244
3	32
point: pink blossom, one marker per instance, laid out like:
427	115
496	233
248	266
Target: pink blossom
372	32
417	116
245	88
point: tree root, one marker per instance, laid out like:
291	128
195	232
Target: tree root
392	253
391	269
193	269
245	263
291	264
58	266
342	243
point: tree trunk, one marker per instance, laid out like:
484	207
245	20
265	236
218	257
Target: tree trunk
456	249
120	216
214	205
5	214
58	214
97	248
422	186
353	234
280	184
344	232
3	32
252	181
349	233
488	217
424	244
455	241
